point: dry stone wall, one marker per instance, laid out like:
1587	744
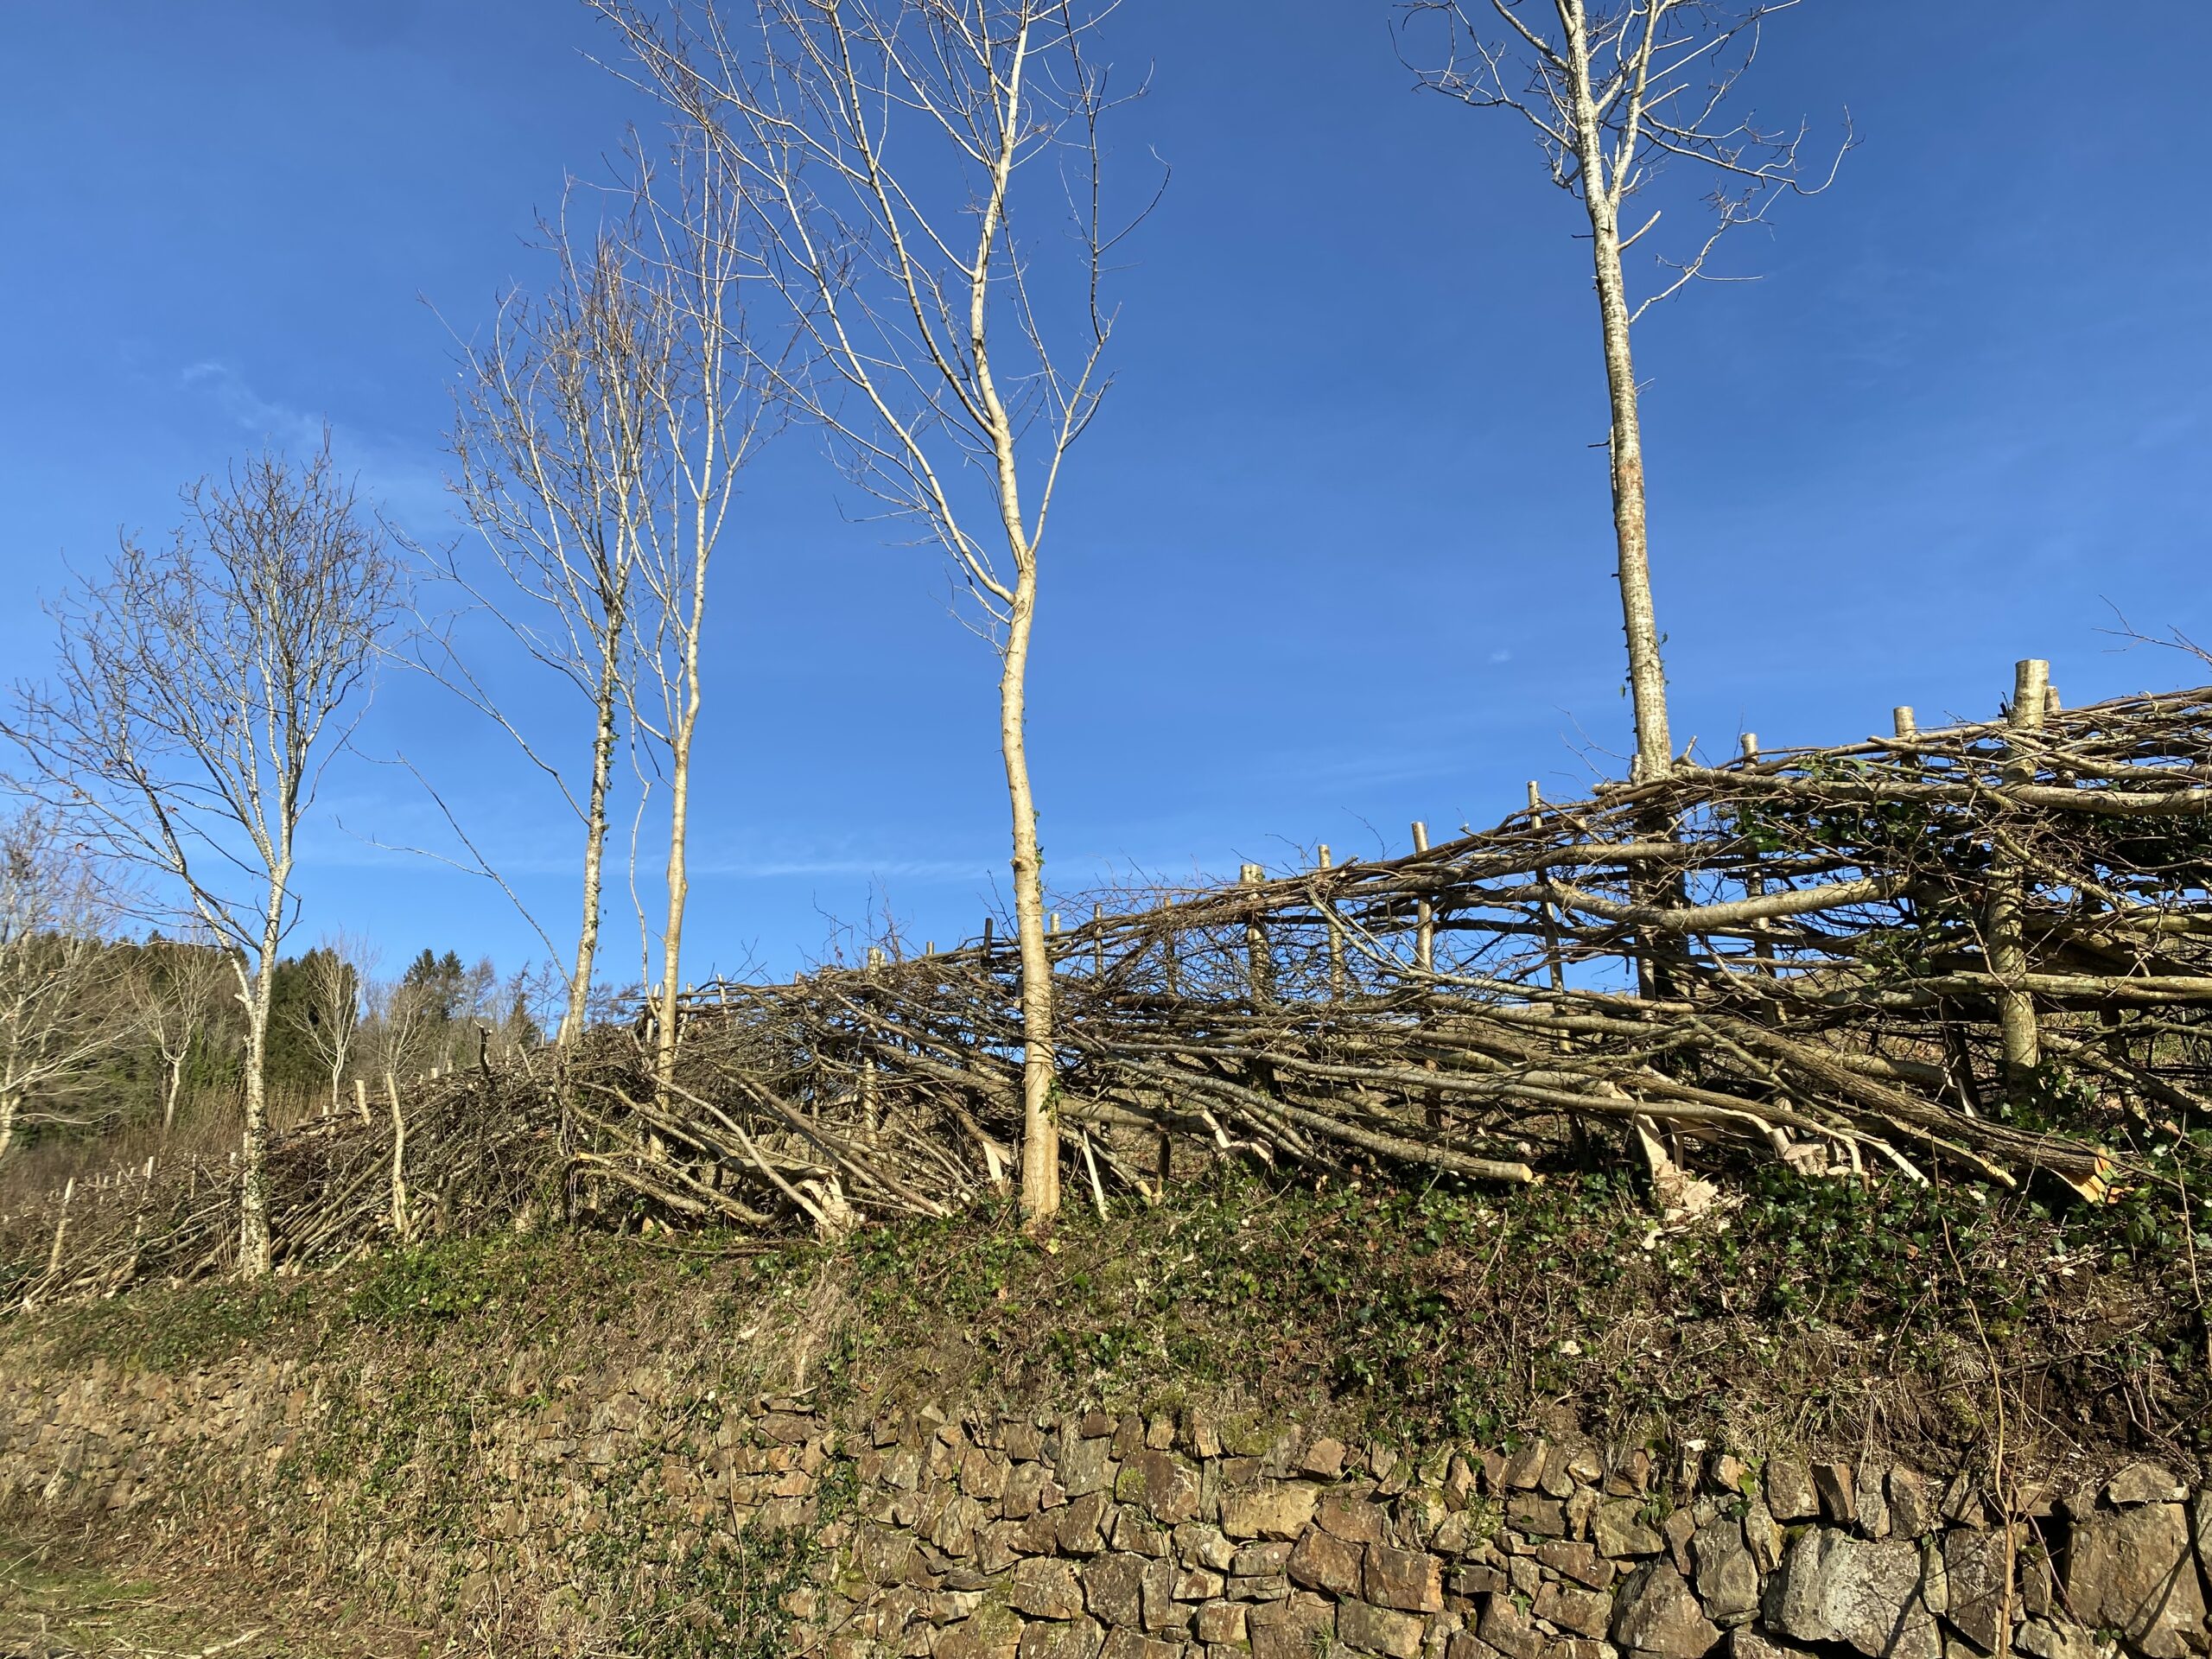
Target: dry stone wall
1092	1535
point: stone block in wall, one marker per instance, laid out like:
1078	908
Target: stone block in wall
1133	1533
1584	1612
1459	1482
1762	1535
1790	1494
2136	1572
1274	1509
1086	1466
1324	1561
1578	1562
1220	1621
1166	1487
1044	1587
1620	1532
2143	1482
1872	1500
1393	1473
1042	1639
1201	1545
959	1526
1408	1581
1655	1615
1346	1514
1259	1560
1024	1490
1113	1588
1004	1542
983	1473
1557	1479
1977	1571
1524	1468
1912	1505
1082	1525
1728	1576
1294	1628
1506	1628
1681	1526
1132	1644
1748	1642
1323	1458
1203	1432
1198	1584
1538	1517
1462	1533
1161	1610
1838	1491
1874	1596
1631	1475
1367	1628
2043	1638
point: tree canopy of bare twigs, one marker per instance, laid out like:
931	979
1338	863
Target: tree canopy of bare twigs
63	1008
917	168
327	1017
709	409
600	433
556	452
177	985
201	692
1615	90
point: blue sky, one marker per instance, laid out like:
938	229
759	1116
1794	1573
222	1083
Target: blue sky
1336	556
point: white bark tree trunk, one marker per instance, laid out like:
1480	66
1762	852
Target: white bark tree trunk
258	993
602	771
1041	1123
173	1086
679	886
1647	677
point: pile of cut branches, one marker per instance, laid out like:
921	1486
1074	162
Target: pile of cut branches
459	1153
1976	952
1980	953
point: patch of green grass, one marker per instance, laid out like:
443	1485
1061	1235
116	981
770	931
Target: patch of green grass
1452	1311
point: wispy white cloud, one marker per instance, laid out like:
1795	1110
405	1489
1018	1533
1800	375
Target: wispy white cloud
404	481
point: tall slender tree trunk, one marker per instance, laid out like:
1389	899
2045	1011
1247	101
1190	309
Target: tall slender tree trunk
261	989
1040	1120
1647	677
173	1086
12	1106
603	771
679	885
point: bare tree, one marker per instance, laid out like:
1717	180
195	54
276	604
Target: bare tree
402	1022
62	1007
178	984
708	407
199	696
601	438
884	143
557	451
1615	90
328	1017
